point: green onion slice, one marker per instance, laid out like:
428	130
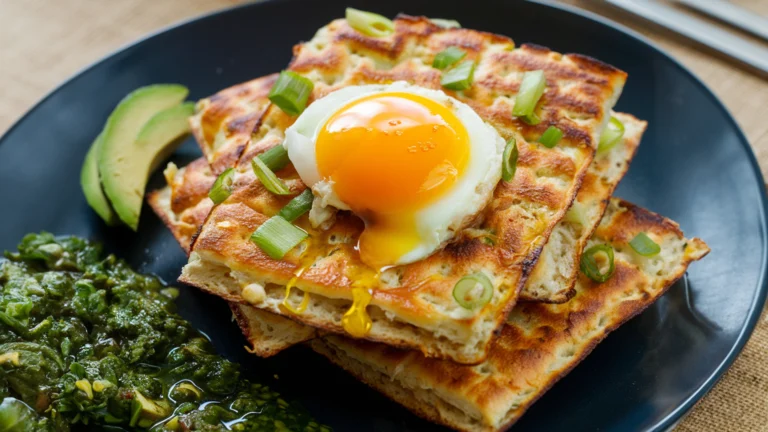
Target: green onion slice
613	133
275	158
268	178
551	137
460	77
509	160
591	268
531	89
291	92
447	57
577	214
277	236
531	119
297	206
473	291
369	23
222	188
643	245
446	23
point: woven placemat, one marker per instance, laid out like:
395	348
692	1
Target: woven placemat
44	42
739	402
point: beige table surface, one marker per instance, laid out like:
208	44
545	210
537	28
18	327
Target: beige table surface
42	42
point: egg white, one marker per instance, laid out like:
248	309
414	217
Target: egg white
437	222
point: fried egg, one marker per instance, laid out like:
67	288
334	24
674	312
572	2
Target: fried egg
415	164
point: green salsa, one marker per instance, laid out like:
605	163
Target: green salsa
86	340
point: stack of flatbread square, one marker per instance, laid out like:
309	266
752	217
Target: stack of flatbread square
480	372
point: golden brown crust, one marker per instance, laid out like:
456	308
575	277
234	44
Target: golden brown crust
269	333
554	275
540	342
419	311
183	205
224	122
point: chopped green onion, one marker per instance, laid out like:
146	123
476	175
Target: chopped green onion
222	187
446	23
531	119
268	178
275	158
551	137
643	245
531	89
460	77
369	23
291	92
473	291
277	236
591	268
577	214
509	160
613	133
447	57
297	206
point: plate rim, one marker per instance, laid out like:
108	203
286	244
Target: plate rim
761	293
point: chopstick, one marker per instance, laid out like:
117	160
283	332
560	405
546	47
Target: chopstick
733	14
703	32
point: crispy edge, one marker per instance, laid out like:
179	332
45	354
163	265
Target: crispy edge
333	347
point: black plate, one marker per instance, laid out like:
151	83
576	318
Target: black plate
694	166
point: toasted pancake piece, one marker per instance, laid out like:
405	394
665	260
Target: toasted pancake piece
539	344
412	305
223	123
269	333
555	273
559	261
183	205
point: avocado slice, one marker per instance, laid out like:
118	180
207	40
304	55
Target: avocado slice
163	132
91	185
124	161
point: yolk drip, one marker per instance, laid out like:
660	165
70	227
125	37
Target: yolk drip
356	321
304	301
388	156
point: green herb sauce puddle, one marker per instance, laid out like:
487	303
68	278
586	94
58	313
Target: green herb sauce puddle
85	340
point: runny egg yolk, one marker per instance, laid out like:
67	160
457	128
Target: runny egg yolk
388	155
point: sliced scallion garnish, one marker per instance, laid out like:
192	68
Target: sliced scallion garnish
509	160
591	268
531	119
277	236
613	133
297	206
531	89
576	214
473	291
643	245
291	92
222	188
551	137
447	57
460	77
446	23
369	23
268	178
275	158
